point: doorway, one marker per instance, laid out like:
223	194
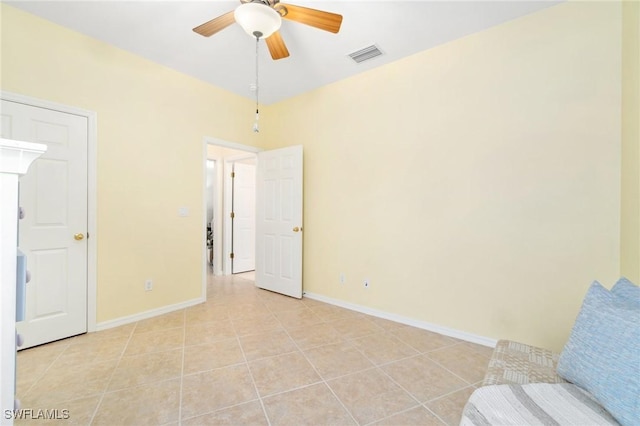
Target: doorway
220	159
278	203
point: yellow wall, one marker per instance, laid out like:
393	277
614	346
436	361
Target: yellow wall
476	184
630	219
151	125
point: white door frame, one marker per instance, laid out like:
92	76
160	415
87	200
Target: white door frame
92	199
226	269
217	203
212	195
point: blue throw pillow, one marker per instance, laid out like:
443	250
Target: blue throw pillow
602	355
627	292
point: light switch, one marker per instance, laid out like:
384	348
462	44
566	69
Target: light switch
183	211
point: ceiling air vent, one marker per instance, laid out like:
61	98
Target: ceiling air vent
365	54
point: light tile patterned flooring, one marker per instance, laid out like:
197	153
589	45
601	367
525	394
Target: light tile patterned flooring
249	356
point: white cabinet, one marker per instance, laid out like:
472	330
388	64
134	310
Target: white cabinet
15	159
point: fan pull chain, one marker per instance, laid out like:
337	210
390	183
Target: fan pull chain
255	125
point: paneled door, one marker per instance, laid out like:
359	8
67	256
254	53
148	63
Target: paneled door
244	217
279	221
53	233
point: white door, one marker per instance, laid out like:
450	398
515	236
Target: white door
53	232
279	221
244	218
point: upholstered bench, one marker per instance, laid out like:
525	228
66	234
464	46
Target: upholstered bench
521	387
594	381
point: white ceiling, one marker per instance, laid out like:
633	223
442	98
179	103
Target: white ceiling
161	31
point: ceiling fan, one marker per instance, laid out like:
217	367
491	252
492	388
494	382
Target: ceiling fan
262	19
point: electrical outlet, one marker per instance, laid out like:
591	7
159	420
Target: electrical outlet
148	285
366	283
343	279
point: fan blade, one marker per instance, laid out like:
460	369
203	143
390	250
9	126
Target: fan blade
276	45
316	18
216	24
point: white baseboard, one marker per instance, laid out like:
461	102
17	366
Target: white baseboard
446	331
147	314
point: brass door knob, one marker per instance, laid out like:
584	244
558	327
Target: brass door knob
78	236
296	229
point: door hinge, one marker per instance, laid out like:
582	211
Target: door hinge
233	215
231	255
233	174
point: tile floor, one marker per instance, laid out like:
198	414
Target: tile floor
249	356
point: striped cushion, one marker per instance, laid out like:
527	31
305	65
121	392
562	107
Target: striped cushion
533	404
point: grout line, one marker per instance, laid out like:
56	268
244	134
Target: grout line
294	389
272	356
468	383
394	414
364	370
219	409
435	414
448	345
448	394
184	341
106	388
321	378
400	386
253	380
422	404
46	370
434	361
400	359
195	373
384	363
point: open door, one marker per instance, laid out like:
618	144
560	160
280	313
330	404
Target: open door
279	221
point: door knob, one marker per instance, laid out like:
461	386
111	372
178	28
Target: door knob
296	229
78	236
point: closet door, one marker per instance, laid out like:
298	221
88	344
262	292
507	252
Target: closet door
53	233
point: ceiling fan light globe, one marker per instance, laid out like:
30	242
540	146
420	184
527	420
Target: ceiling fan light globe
257	20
